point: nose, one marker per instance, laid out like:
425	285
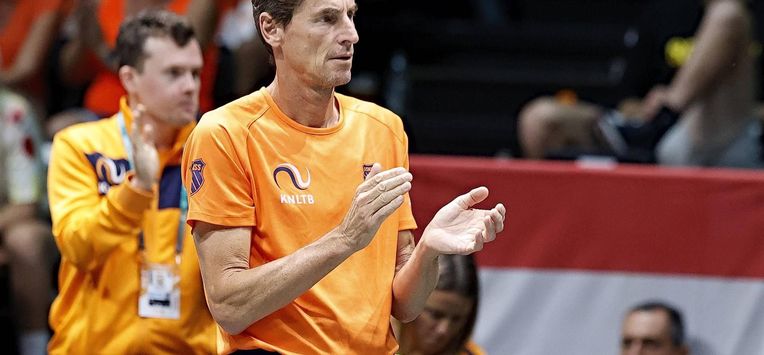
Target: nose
633	349
349	35
441	328
190	82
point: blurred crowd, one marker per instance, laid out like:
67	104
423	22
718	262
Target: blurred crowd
688	98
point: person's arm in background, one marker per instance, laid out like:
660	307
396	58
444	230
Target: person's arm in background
203	16
86	50
723	37
457	228
31	56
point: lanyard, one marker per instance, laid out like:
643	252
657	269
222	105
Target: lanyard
183	205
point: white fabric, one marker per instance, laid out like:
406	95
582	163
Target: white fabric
534	312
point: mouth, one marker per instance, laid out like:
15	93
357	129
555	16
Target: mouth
343	57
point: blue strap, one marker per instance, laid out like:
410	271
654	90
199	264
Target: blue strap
182	204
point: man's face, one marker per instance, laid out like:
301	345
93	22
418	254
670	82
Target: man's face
445	315
317	44
168	85
648	333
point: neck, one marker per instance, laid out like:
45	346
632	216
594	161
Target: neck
312	107
165	136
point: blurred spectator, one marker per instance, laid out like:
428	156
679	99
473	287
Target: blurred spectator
129	276
446	324
26	238
27	31
244	60
87	56
653	328
703	116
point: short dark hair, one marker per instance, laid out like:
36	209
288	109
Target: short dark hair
134	32
676	324
281	11
458	273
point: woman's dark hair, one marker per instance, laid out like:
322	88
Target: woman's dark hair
458	273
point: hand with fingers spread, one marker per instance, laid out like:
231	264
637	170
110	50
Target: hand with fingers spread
458	228
376	199
145	154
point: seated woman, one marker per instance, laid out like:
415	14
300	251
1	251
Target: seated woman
446	324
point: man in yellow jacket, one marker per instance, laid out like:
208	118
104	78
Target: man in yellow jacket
129	278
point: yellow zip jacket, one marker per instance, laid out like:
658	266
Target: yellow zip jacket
97	217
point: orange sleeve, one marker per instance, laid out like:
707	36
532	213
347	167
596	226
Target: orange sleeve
87	226
406	220
217	175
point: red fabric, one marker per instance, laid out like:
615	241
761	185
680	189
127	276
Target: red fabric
630	218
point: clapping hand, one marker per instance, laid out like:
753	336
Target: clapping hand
145	155
458	228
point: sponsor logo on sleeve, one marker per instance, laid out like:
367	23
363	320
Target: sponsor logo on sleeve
367	170
197	175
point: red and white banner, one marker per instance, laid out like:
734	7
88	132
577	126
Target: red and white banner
584	244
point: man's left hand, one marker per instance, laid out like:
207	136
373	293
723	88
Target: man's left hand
460	229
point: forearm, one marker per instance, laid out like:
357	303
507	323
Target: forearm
86	234
203	14
241	296
16	212
721	41
73	64
414	282
32	53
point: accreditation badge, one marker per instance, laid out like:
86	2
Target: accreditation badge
160	291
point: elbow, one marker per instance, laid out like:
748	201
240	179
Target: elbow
227	318
405	314
80	258
228	313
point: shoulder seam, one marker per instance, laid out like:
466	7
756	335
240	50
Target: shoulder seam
399	138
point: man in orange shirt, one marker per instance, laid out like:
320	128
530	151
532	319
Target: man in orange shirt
304	240
129	280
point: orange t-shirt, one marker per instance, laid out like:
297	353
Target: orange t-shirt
106	89
248	164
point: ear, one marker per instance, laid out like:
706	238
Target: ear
271	31
128	76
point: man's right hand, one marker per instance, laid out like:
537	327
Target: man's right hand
145	155
376	199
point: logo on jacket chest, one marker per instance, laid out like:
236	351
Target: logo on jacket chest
295	181
109	172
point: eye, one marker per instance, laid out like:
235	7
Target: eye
175	72
328	18
626	343
652	344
